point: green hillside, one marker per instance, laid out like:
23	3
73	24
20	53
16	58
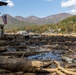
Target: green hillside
68	25
13	24
65	26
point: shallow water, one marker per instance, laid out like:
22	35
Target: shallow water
46	56
49	55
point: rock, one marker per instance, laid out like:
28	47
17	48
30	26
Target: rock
67	59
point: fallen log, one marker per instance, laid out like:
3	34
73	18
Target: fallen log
74	70
26	74
30	74
18	48
3	49
72	65
18	64
4	71
37	74
64	70
60	70
52	70
2	42
8	74
20	53
16	73
27	65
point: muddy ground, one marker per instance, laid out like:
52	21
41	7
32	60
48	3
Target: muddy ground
44	48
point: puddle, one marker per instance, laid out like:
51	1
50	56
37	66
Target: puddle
46	56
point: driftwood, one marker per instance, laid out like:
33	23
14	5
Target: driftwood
20	73
20	47
8	74
27	65
64	70
3	49
16	73
59	70
18	64
20	53
4	71
2	42
71	65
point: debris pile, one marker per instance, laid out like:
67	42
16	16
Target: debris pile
46	55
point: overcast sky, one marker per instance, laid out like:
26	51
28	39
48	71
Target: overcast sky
39	8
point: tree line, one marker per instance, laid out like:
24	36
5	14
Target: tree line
65	26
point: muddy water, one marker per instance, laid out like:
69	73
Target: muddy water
57	46
46	56
50	55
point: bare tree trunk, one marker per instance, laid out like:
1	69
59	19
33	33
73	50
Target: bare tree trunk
18	64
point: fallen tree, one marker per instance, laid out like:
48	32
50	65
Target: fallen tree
60	70
21	64
20	53
27	65
3	49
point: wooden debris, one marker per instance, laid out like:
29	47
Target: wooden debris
3	49
71	65
23	66
20	53
18	64
64	70
4	71
26	65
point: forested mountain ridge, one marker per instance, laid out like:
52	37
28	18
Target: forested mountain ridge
12	22
68	25
62	21
51	19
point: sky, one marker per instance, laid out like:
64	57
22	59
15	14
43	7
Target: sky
39	8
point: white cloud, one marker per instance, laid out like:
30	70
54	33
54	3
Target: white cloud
73	11
69	3
10	3
48	0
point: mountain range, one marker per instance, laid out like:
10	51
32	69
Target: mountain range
18	21
51	19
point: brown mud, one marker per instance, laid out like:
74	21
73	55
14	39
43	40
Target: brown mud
45	55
